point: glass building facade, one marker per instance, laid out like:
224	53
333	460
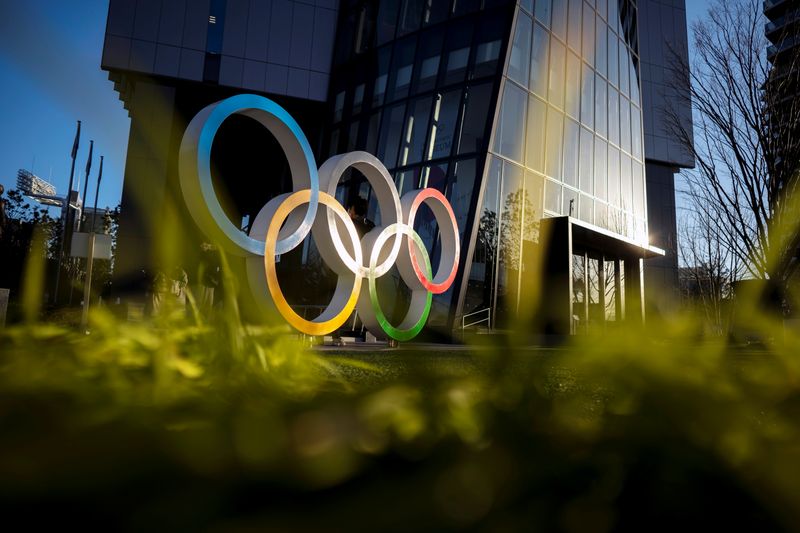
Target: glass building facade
528	115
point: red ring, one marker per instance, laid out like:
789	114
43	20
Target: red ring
422	196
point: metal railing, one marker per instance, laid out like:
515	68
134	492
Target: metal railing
476	318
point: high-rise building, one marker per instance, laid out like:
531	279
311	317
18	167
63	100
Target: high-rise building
539	120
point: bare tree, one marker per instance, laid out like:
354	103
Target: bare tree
745	141
710	270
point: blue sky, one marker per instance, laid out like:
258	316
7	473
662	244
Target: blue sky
50	63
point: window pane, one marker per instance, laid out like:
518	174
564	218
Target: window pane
614	197
534	148
460	192
486	58
387	20
414	133
571	150
613	115
555	127
600	169
510	132
570	202
601	44
574	29
552	196
625	124
587	161
559	23
573	97
624	68
600	106
539	55
410	13
391	133
511	219
443	125
636	133
638	190
402	67
588	33
457	65
586	211
556	87
476	114
613	60
358	98
435	11
587	97
625	183
338	107
430	50
371	142
542	13
519	62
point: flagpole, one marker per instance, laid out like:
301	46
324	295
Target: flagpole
65	210
97	192
87	288
86	187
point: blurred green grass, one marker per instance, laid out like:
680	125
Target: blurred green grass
192	424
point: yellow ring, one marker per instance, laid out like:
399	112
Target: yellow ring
320	325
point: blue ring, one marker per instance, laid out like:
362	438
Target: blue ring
237	105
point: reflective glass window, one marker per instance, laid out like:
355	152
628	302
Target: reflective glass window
457	50
587	161
430	50
338	106
510	131
613	59
410	14
391	134
511	220
559	21
443	123
415	132
625	183
569	204
371	141
587	96
486	57
534	148
543	10
600	106
526	5
539	55
634	83
519	62
557	60
614	197
459	191
588	33
600	168
573	87
574	25
352	137
555	127
637	187
434	11
476	114
625	124
381	80
387	20
601	47
636	133
613	115
602	7
624	69
571	150
358	98
586	211
552	196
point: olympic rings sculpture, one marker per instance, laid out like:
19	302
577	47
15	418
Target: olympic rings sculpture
281	226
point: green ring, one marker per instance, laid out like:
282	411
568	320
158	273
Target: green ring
398	334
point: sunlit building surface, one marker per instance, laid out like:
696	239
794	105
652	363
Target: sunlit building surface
540	122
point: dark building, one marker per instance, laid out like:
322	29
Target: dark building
538	120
